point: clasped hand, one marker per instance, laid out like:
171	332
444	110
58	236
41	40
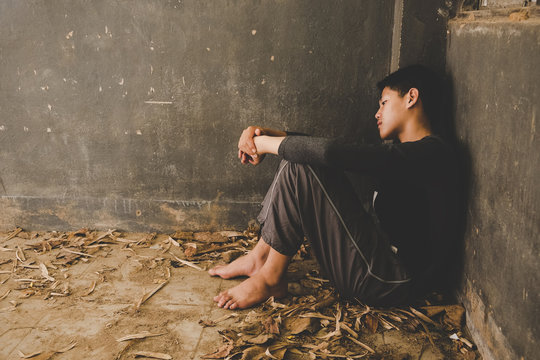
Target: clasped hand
256	141
247	151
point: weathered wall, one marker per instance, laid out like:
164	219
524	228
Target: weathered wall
493	64
126	114
419	35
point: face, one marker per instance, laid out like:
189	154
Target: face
391	114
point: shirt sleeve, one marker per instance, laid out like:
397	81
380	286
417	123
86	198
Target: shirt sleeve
377	160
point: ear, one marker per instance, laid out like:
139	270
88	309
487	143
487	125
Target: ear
412	97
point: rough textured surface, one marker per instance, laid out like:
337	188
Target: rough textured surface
91	301
420	33
493	67
142	102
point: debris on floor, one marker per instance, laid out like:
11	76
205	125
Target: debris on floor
139	295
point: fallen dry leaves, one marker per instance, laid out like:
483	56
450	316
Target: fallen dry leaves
317	327
313	322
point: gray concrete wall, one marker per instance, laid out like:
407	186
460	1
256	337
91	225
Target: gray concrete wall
493	64
126	114
419	35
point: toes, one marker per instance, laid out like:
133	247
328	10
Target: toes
219	296
228	304
214	271
233	306
225	297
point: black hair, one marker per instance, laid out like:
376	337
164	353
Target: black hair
430	88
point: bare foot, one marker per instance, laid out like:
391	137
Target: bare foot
247	265
252	291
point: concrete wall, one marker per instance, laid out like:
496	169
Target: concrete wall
126	114
494	66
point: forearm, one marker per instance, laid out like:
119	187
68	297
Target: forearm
268	144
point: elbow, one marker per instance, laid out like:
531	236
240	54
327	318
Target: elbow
330	156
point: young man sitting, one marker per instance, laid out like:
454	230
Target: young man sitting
381	260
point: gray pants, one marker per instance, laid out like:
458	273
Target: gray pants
321	204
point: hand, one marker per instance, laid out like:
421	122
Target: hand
247	151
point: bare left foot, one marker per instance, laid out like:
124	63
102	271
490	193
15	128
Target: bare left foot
247	265
252	291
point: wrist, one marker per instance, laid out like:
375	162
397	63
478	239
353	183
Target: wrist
268	144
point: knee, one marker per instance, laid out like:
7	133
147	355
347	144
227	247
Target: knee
293	168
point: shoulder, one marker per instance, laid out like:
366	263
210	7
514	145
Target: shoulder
431	155
431	146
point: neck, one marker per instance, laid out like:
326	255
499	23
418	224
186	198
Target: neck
415	129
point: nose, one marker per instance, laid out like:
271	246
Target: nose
378	115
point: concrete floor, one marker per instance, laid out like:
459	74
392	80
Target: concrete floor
43	322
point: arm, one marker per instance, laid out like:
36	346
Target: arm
268	144
247	150
405	159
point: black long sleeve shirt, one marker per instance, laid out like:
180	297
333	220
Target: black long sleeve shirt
417	191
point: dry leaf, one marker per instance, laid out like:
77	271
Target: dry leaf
310	284
207	323
5	295
27	356
252	353
297	325
371	322
91	290
142	335
183	235
45	272
185	262
422	316
44	356
433	309
324	303
208	237
148	295
192	249
271	325
13	234
267	353
77	252
67	348
348	329
279	353
222	352
361	344
359	356
260	339
174	242
153	355
231	234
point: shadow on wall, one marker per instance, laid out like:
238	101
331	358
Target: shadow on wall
456	271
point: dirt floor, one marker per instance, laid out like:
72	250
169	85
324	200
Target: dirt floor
113	295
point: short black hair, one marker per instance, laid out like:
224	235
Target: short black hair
429	84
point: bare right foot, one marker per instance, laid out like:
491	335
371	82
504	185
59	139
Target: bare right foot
252	291
247	265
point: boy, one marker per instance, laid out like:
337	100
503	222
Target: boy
380	260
